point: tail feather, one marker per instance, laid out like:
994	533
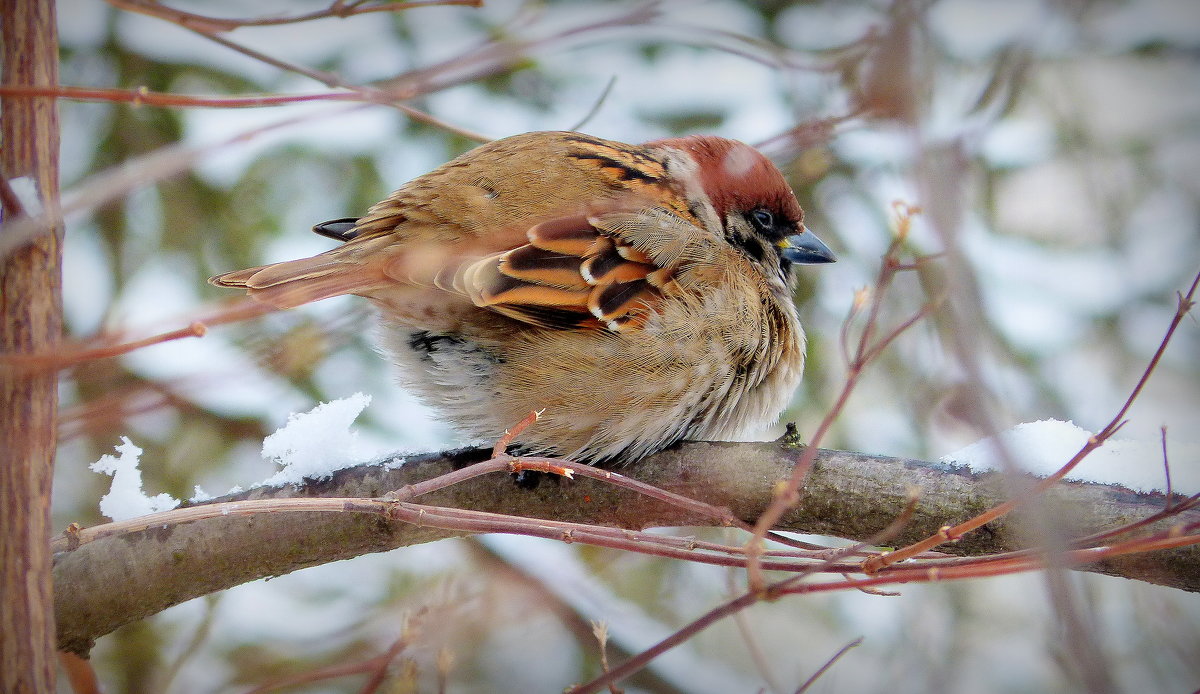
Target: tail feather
235	279
296	282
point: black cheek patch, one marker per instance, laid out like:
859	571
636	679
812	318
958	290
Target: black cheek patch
752	245
755	248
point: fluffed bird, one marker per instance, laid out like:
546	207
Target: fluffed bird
637	295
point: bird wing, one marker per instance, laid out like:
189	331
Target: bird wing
577	271
603	271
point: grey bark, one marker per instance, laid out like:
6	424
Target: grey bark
113	581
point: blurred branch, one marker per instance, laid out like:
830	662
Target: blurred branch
1184	306
116	580
120	180
612	81
340	9
828	664
144	97
869	346
375	666
520	580
490	58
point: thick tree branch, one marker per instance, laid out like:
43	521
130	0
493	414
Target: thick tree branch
115	580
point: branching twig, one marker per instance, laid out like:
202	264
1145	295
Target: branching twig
788	494
144	97
752	596
70	357
339	9
105	347
828	664
612	81
951	533
376	666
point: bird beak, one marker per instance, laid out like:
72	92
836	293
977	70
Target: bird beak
805	249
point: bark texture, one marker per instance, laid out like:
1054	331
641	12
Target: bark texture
30	321
109	582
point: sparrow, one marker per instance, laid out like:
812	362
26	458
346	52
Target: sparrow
635	295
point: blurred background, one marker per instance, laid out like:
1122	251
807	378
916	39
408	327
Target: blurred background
1054	148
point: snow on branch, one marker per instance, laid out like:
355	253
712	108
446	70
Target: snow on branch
115	579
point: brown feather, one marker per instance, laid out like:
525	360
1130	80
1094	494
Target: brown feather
573	235
296	282
237	278
610	267
515	292
532	264
615	301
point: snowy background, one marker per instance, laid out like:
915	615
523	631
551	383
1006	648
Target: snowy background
1057	147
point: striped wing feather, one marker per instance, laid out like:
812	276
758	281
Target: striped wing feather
572	274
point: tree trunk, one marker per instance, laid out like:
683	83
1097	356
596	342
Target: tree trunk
30	320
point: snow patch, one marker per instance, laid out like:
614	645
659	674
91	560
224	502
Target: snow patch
125	498
317	443
1040	448
200	496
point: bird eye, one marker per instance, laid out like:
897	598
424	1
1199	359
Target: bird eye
762	219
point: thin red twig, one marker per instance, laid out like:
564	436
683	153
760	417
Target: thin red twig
828	664
107	347
144	97
341	10
789	493
949	533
